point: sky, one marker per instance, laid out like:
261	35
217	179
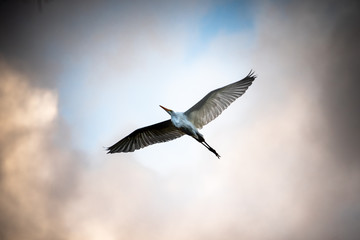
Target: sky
77	76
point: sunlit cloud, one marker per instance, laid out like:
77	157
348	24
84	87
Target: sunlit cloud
36	168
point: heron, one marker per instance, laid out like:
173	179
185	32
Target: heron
186	123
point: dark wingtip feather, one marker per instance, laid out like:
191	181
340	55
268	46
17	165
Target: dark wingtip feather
251	74
107	149
110	150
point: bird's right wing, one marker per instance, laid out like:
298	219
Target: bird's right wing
216	101
142	137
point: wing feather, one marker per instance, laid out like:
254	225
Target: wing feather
216	101
142	137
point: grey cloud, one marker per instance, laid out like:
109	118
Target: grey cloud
315	45
43	43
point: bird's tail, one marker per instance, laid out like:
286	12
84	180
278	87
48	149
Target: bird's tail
210	149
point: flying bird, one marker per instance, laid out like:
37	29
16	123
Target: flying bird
189	122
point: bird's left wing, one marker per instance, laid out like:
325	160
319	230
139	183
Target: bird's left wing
216	101
142	137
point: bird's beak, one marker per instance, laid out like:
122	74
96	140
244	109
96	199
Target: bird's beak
166	109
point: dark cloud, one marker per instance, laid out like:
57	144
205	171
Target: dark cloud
26	34
340	101
44	44
340	96
318	43
322	41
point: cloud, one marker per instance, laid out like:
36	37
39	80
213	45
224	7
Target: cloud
310	57
37	171
340	97
289	165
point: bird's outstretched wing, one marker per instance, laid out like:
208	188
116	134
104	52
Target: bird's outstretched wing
142	137
216	101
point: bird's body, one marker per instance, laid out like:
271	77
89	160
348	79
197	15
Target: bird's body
188	122
180	120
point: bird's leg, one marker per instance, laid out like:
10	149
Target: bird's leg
210	148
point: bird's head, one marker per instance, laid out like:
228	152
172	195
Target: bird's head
169	111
